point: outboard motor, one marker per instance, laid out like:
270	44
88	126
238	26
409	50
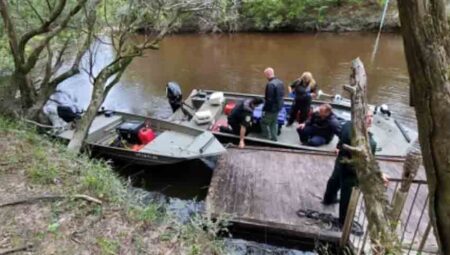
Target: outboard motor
61	108
384	109
174	95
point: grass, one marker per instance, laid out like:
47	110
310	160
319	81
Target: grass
107	246
35	165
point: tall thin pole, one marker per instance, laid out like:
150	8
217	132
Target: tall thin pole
377	41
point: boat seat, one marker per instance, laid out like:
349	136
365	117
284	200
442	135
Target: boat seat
215	111
203	117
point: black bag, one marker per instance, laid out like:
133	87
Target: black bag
129	131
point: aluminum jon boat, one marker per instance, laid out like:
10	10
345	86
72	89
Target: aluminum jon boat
116	135
393	139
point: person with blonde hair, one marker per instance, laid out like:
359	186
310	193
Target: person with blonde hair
304	89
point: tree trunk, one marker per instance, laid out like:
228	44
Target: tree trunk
83	125
427	48
384	240
27	96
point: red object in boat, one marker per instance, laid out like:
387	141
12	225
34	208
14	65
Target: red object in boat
229	107
146	135
137	147
219	123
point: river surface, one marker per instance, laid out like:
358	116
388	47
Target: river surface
236	63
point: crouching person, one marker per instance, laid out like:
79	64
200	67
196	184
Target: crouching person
320	128
240	119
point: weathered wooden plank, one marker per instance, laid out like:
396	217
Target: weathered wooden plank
264	188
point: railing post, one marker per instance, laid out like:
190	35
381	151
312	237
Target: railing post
410	169
347	228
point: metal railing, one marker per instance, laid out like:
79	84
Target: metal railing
413	227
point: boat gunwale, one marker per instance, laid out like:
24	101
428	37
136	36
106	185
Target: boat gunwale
278	144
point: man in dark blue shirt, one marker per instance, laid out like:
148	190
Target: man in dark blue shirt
320	128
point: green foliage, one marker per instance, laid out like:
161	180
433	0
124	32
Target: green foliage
273	14
107	246
53	227
48	162
6	61
203	228
40	170
100	180
149	214
151	225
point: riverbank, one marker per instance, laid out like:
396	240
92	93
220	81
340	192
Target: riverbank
296	16
53	202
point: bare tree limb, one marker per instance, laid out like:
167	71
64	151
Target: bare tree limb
45	27
17	249
32	59
51	198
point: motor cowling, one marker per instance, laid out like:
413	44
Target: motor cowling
384	109
174	95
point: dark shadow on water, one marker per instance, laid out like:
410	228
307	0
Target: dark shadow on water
188	180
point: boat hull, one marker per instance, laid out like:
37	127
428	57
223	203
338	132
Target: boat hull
393	139
173	144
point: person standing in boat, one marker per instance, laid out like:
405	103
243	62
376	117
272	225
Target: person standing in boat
303	90
274	95
344	175
320	128
240	119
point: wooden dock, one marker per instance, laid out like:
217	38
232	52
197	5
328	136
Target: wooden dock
264	188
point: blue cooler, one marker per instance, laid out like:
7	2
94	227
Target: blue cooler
257	114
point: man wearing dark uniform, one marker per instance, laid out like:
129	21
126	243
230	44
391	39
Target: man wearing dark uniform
320	128
344	175
240	119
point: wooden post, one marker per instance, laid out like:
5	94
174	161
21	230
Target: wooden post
347	228
410	168
383	239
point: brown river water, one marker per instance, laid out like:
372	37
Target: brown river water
236	62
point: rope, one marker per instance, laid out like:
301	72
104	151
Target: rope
383	16
329	220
